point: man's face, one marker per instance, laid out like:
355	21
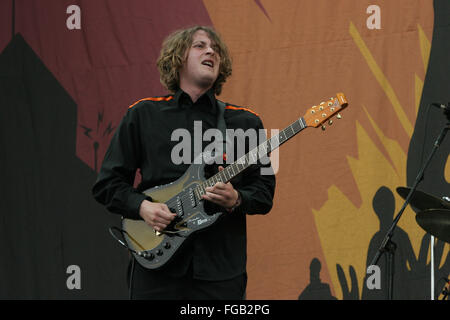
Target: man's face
201	66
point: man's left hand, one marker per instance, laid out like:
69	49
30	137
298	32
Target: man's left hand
222	194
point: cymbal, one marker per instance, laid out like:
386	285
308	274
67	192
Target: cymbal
436	222
423	201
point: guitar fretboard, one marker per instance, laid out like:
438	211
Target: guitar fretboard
251	157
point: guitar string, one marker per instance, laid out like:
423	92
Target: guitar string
301	122
267	148
279	141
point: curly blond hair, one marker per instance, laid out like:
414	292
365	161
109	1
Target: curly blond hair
173	52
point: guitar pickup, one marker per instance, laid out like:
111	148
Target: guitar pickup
192	198
179	205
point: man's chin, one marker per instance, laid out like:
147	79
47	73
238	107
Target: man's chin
206	83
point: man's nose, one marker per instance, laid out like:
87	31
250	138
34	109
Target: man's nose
210	50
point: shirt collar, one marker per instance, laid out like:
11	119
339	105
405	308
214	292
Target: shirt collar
180	95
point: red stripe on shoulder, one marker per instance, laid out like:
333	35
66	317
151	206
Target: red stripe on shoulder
152	99
239	108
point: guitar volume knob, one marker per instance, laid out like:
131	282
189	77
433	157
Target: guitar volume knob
148	255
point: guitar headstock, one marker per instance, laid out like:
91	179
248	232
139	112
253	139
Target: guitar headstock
317	115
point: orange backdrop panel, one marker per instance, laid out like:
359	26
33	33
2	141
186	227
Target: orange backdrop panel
290	55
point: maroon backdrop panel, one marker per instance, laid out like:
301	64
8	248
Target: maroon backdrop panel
108	62
67	77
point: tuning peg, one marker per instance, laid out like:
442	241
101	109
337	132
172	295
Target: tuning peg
339	116
330	122
323	127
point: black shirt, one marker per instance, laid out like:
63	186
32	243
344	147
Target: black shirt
143	141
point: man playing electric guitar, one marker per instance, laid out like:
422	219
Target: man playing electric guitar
194	64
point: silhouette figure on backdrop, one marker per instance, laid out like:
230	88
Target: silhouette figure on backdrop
353	292
428	125
411	283
384	206
316	289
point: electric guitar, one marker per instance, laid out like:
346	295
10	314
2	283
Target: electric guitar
154	249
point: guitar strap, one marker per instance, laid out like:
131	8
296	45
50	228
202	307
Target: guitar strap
221	123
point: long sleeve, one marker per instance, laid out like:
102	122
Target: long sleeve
114	185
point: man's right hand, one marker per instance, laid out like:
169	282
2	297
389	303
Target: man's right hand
156	215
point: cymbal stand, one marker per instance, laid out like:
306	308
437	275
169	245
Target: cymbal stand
432	266
387	245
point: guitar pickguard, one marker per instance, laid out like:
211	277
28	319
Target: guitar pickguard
157	248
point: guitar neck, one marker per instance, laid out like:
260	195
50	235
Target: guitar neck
314	117
253	156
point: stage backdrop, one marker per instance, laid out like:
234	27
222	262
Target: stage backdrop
69	70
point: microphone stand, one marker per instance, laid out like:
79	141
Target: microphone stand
387	246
